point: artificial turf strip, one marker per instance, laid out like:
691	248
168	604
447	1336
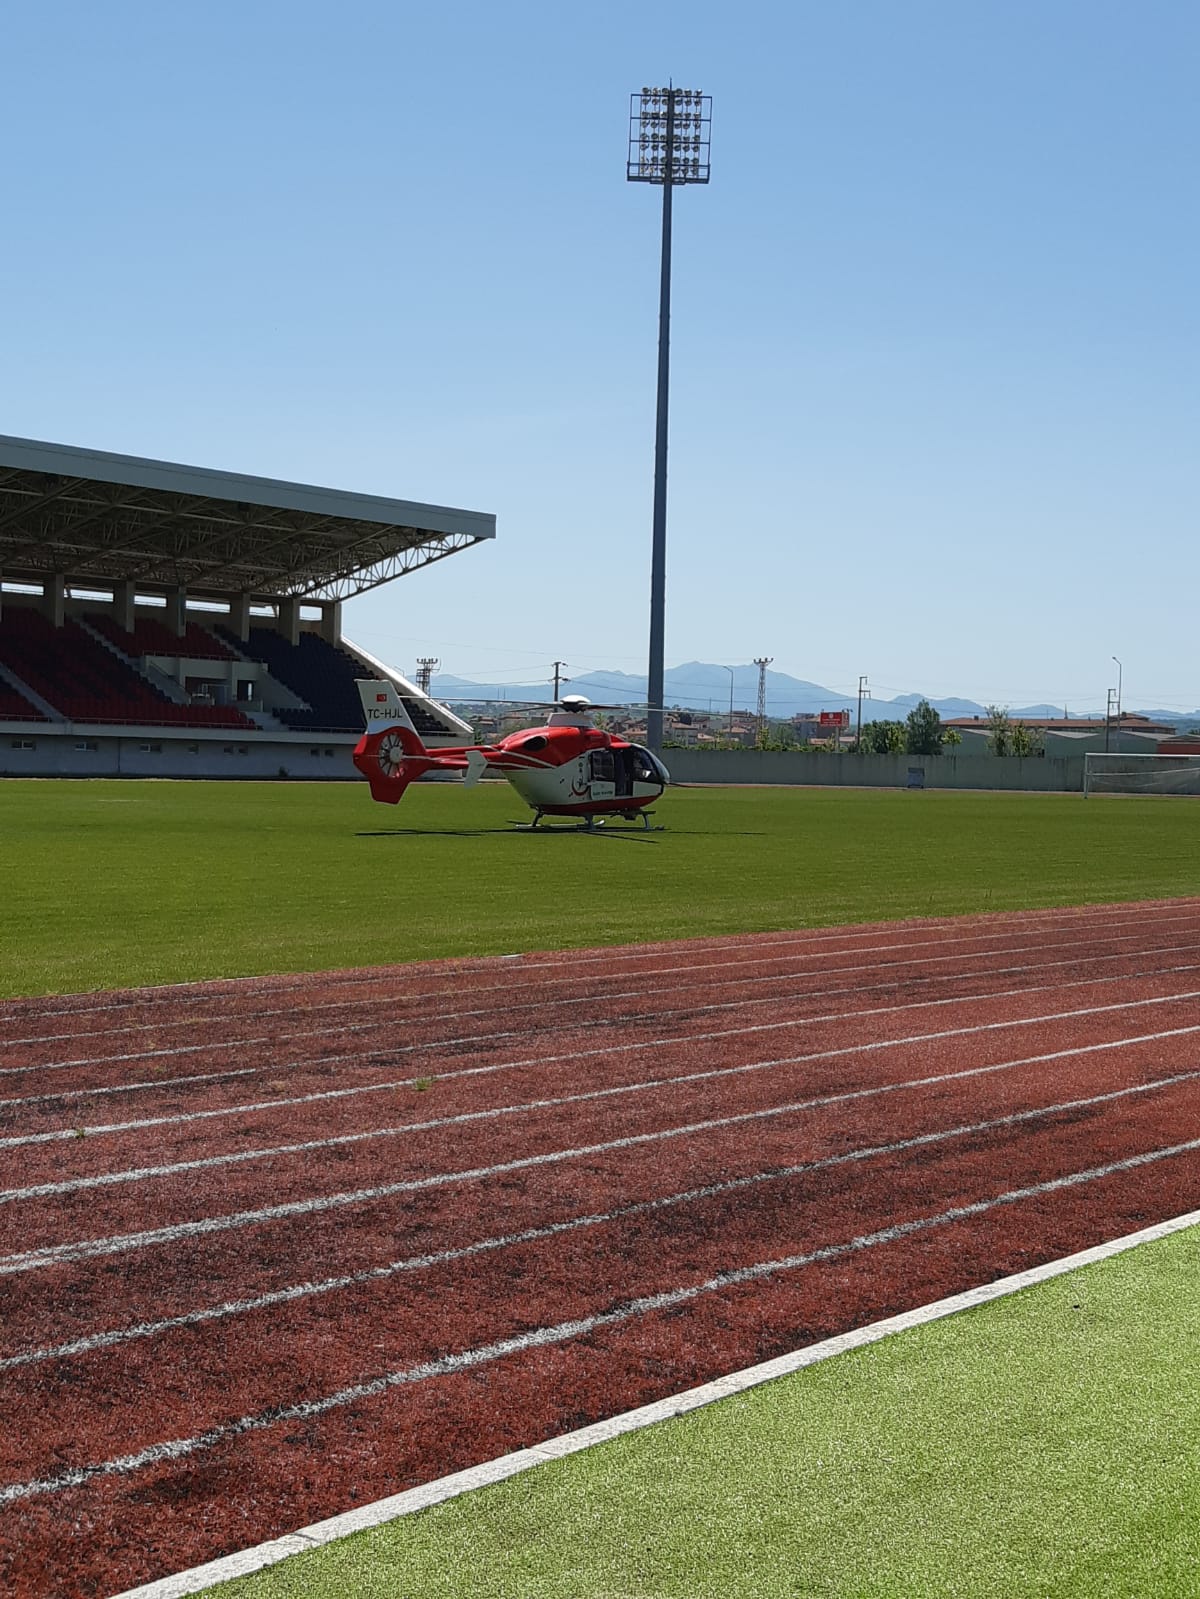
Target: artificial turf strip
1045	1444
104	884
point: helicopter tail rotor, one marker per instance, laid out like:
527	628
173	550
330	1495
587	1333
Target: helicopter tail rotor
385	762
391	754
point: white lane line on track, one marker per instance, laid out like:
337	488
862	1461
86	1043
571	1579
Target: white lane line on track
696	1010
308	1290
381	1512
188	1118
563	1332
342	1028
506	989
658	1016
1056	987
121	1243
230	987
132	1088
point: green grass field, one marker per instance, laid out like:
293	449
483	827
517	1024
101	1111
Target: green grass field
110	883
1043	1447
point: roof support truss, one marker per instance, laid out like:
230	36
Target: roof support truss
293	541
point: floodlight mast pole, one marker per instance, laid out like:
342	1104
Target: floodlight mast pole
655	693
668	145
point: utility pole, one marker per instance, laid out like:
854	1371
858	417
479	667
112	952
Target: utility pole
427	665
762	662
559	678
1114	704
862	689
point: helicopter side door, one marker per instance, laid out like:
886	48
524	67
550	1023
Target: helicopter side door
602	775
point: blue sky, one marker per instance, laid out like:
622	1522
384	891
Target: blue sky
935	379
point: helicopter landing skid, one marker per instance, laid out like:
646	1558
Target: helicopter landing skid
591	824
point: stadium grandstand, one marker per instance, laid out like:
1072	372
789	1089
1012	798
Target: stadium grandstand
166	620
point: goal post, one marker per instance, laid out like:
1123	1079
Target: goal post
1141	774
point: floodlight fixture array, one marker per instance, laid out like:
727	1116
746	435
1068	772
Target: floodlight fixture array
669	136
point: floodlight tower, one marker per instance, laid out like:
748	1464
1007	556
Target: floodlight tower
668	145
427	665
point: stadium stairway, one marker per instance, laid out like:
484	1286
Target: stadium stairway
266	721
149	636
315	673
199	644
107	637
324	678
20	703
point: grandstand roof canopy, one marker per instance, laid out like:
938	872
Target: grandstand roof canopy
99	518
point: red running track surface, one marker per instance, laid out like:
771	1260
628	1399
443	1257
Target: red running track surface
273	1248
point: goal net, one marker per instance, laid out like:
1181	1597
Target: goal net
1141	774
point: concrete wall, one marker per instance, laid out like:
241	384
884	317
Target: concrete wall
229	756
226	755
1045	773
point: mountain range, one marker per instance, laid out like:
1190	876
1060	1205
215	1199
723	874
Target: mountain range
703	686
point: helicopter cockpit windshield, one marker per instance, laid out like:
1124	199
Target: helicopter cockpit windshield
644	767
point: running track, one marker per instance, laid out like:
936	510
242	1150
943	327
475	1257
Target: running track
274	1248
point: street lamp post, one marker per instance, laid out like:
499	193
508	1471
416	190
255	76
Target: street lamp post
668	145
729	669
1120	674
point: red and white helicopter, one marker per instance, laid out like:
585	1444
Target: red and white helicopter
569	767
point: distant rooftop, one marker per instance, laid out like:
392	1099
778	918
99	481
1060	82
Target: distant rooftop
96	517
1128	722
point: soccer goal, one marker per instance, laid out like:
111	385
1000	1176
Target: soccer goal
1141	774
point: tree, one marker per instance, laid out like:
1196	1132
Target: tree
1006	737
1000	730
778	736
1027	740
923	730
883	738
